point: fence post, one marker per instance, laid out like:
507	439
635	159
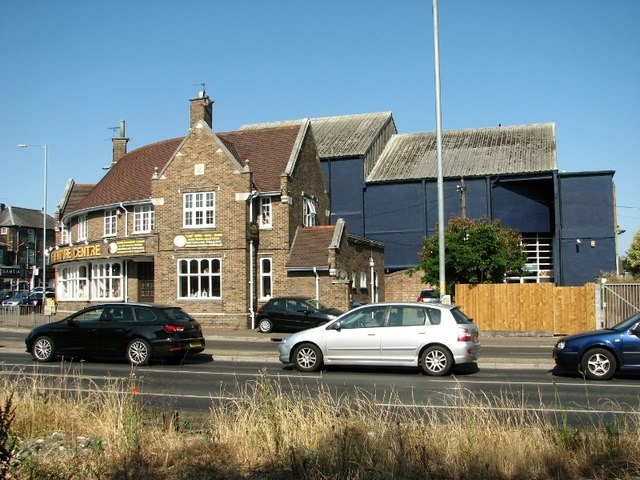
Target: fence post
599	304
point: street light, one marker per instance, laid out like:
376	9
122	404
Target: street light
44	213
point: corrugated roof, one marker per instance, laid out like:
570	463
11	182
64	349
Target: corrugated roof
310	247
24	217
468	153
340	136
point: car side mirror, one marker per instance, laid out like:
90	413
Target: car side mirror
636	330
335	326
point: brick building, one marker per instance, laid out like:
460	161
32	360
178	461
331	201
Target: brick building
214	222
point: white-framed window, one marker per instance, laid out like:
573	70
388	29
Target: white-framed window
266	278
3	230
363	279
199	210
200	278
73	283
354	285
110	222
144	218
65	236
106	281
266	212
83	227
310	217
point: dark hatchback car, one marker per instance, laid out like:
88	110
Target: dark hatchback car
136	332
293	314
600	354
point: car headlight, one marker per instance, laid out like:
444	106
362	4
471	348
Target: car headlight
560	345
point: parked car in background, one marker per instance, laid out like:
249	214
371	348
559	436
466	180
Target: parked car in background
293	314
136	332
599	354
5	295
429	296
16	300
431	336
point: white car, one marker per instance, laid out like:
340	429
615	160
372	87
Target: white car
435	337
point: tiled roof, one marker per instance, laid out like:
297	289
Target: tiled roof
468	153
268	151
340	136
76	194
130	178
24	217
310	247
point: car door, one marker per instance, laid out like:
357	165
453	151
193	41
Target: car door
299	314
406	329
78	336
631	347
356	340
114	331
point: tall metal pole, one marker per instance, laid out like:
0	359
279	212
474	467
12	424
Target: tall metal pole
44	213
436	57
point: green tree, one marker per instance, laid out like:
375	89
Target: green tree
632	262
476	251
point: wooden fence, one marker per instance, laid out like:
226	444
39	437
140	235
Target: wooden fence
532	308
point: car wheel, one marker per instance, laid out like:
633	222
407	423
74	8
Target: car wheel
43	349
307	358
139	352
598	364
265	325
436	361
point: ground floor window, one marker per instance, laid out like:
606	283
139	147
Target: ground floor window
200	278
265	278
106	281
73	283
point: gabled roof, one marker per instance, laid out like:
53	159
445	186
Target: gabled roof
468	153
340	136
24	217
73	194
268	151
310	247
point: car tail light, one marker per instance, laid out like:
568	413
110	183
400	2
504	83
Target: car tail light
260	309
464	334
173	328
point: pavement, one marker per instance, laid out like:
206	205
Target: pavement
521	351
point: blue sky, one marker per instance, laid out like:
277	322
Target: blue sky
71	70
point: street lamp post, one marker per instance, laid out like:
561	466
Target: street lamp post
44	213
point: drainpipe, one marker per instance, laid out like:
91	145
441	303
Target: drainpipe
126	220
252	285
373	283
315	272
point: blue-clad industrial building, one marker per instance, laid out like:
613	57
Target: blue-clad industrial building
384	185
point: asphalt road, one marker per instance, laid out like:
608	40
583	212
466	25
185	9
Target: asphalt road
518	378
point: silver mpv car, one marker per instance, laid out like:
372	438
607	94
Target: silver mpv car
433	336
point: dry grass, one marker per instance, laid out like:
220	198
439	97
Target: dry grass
270	434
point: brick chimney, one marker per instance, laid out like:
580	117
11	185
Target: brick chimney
201	109
119	145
